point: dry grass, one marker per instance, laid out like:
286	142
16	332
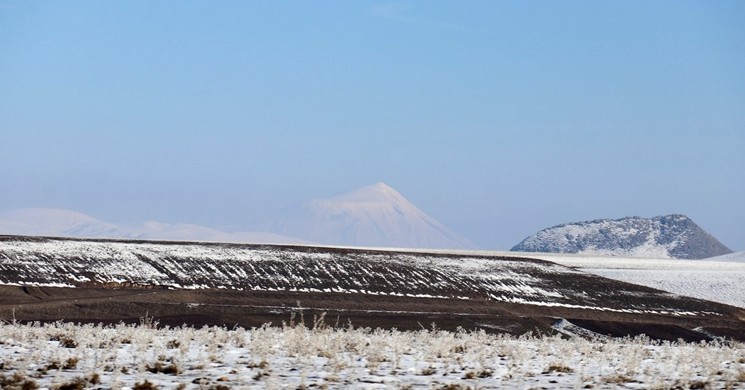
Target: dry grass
348	355
160	367
145	385
617	379
75	384
558	367
70	363
17	381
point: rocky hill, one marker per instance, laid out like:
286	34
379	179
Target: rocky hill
671	236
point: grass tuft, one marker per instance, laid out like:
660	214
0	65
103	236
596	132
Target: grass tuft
558	367
70	363
17	381
146	385
618	379
159	367
77	383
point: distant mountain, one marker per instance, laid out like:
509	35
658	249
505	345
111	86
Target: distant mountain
65	223
734	257
375	216
672	236
56	222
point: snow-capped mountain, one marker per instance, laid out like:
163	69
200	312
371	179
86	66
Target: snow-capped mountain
671	236
65	223
376	215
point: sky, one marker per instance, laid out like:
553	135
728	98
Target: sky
498	118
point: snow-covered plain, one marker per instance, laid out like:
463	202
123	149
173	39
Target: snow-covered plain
717	281
735	256
56	355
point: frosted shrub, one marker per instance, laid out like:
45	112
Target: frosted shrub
299	356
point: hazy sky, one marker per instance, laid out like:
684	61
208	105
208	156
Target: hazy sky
497	118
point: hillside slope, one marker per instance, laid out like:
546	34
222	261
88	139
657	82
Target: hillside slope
226	284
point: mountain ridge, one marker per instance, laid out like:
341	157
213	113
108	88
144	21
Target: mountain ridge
372	216
67	223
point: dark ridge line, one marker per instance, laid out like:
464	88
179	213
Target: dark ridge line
287	247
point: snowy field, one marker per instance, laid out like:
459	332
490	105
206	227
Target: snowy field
717	281
66	356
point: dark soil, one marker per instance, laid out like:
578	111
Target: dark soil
253	309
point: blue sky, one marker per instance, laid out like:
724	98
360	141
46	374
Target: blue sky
497	118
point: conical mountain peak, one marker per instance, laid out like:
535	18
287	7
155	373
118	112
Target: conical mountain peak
376	215
376	193
383	189
381	186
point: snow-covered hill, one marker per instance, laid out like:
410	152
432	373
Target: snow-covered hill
371	216
96	280
65	223
672	236
87	263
